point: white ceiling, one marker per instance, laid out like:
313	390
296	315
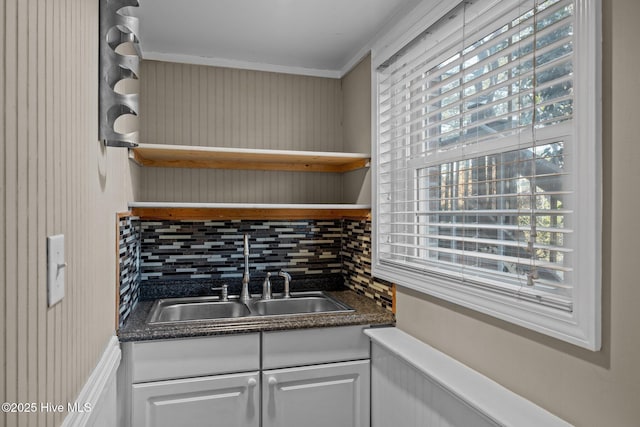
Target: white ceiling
315	37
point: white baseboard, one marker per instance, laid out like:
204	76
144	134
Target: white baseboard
96	405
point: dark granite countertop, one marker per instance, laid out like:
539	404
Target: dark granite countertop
367	312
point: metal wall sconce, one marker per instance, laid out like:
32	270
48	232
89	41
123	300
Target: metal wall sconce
119	63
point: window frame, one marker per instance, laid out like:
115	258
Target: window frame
582	326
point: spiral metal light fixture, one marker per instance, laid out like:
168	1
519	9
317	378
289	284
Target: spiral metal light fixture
117	28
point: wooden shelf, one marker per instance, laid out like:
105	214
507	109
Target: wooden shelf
247	211
183	156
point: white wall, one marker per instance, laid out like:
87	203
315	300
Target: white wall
55	177
585	388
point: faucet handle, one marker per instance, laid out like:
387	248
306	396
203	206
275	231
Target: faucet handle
224	292
266	287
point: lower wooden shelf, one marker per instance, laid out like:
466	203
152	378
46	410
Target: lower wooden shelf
227	211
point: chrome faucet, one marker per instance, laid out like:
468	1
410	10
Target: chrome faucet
244	294
287	281
266	288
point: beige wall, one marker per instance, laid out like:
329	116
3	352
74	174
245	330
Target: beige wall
225	107
210	106
356	96
54	178
585	388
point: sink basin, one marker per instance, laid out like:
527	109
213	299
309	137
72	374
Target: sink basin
297	305
171	310
197	308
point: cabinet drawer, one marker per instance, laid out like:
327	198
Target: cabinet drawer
314	346
161	360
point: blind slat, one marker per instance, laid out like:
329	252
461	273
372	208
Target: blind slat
462	239
484	255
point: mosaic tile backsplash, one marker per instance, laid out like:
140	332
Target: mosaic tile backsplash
356	263
180	250
173	254
128	259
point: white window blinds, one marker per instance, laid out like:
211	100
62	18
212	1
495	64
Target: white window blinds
474	170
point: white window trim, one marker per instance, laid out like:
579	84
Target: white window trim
582	327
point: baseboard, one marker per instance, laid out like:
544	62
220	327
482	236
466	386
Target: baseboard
96	403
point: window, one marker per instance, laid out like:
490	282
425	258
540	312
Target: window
487	163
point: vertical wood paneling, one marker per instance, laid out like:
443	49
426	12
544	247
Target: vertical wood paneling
21	206
55	349
3	231
3	222
198	105
32	192
402	395
66	65
54	178
48	351
202	185
11	202
41	201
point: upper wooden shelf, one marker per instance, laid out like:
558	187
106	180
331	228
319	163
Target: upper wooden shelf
186	156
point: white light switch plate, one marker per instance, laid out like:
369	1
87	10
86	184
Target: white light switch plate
55	268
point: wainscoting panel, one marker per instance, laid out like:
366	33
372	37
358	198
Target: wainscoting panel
415	385
402	396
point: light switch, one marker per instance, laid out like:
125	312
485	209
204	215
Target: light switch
55	268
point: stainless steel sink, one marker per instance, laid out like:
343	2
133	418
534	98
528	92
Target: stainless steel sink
298	304
197	308
171	310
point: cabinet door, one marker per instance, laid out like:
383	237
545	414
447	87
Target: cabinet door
222	400
335	394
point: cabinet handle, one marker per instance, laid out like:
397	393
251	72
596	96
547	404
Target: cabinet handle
272	381
252	382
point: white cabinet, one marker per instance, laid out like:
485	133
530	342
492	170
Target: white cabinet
192	382
307	377
222	400
334	394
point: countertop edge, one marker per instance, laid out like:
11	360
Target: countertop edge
367	312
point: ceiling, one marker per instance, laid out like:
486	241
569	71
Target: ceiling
314	37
